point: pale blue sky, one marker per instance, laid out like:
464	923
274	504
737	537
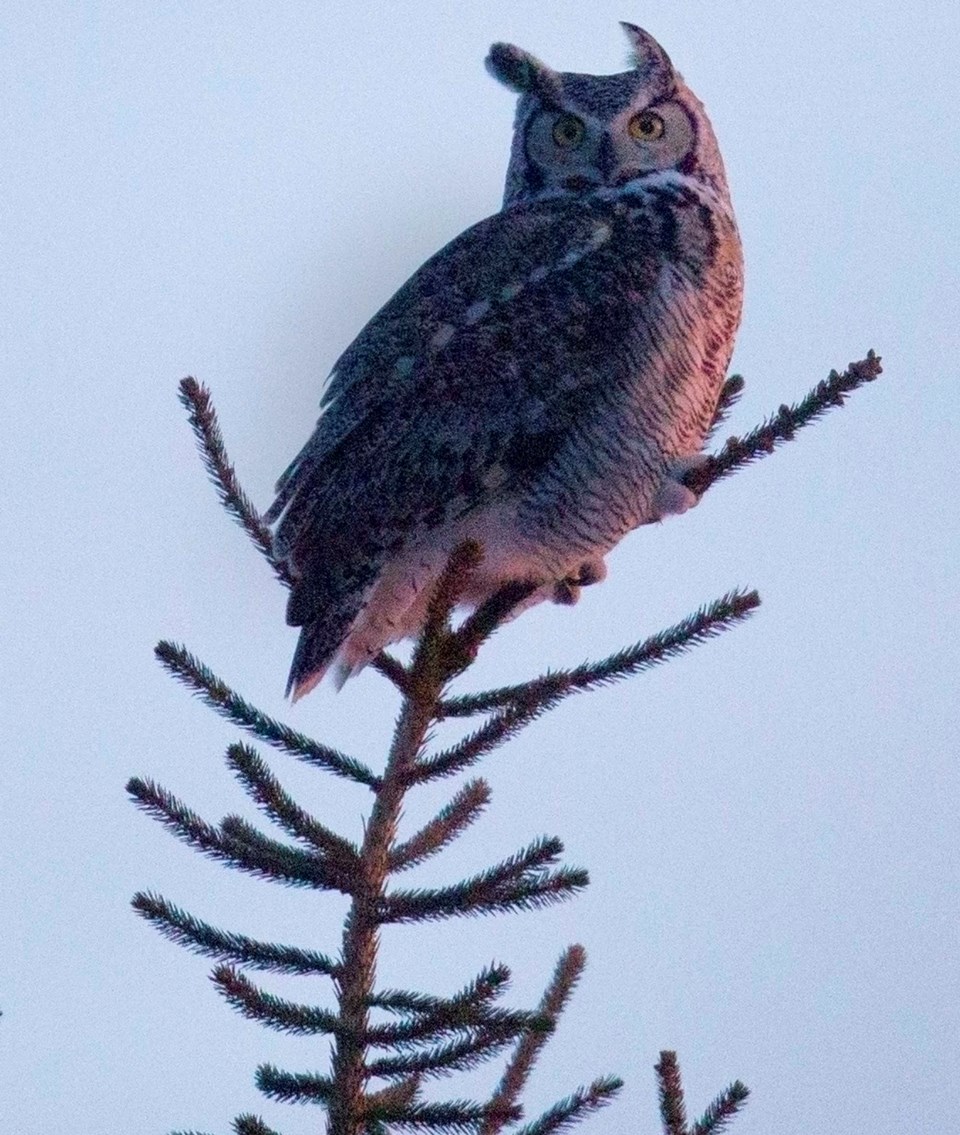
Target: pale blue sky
230	190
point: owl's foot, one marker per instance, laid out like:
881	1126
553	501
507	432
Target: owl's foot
567	591
673	496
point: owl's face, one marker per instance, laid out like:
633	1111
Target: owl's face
576	133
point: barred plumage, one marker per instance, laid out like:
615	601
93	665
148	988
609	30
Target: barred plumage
540	384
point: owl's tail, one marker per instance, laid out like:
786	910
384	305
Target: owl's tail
317	648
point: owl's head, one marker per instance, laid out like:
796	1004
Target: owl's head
575	133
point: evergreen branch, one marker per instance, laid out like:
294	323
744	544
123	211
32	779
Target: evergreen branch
491	614
202	938
203	420
783	425
518	881
393	671
274	1012
456	1019
259	782
486	986
218	695
515	716
309	1087
565	1113
457	901
402	1094
295	863
729	397
458	1117
434	659
673	1112
454	1056
541	694
566	974
266	860
449	822
252	1125
722	1110
449	588
293	1087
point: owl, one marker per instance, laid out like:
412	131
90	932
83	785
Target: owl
540	385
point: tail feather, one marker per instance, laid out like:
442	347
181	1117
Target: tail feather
320	641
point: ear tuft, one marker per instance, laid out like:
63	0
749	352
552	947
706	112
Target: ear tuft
522	72
647	55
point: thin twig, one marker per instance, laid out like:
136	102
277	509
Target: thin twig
203	418
522	699
783	425
218	695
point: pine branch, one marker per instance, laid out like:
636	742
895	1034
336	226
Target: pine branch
452	819
458	1117
729	397
450	1019
448	590
307	1087
494	1028
484	988
434	659
403	1093
450	902
555	997
218	695
673	1112
543	693
393	671
264	859
722	1110
274	1012
202	938
252	1125
203	419
577	1106
783	425
515	716
296	863
258	781
293	1087
488	617
518	883
453	1056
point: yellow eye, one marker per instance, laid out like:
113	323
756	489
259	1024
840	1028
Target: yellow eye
646	126
568	131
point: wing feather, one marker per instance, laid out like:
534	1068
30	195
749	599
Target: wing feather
486	357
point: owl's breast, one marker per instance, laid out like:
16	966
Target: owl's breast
647	333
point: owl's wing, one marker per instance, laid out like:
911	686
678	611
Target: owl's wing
464	384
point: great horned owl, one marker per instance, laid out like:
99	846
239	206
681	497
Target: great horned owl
540	384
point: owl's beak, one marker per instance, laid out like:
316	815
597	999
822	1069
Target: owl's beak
606	160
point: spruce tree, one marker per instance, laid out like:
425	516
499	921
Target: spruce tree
387	1044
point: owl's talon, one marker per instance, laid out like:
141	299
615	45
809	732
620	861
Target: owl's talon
673	496
591	572
566	592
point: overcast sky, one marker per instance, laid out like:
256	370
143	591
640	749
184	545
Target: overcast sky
230	190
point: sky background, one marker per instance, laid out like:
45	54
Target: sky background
231	190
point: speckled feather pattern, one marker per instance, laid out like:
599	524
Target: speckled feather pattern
537	385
